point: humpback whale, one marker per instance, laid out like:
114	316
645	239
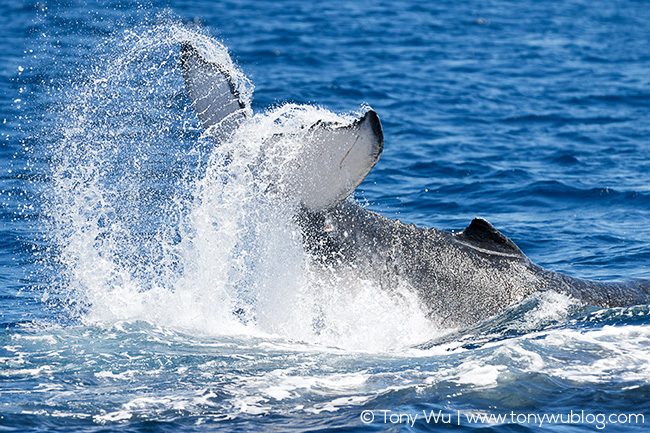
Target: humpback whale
462	278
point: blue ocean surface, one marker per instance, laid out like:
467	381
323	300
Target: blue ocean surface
143	289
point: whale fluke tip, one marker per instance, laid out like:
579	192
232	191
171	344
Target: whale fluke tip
213	92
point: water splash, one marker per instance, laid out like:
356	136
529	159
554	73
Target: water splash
154	223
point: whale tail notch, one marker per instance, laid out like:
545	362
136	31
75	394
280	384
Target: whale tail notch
213	93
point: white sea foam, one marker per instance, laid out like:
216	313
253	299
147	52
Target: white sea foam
620	352
479	374
206	247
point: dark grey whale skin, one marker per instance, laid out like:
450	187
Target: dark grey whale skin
462	278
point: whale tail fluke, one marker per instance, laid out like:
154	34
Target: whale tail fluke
336	160
213	93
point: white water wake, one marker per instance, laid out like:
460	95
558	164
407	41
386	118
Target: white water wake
154	223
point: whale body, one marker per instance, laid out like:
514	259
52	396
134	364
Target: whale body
462	278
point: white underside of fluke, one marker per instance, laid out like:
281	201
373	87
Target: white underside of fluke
213	94
334	161
333	158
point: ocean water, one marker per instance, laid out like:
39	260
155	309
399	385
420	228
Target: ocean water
147	285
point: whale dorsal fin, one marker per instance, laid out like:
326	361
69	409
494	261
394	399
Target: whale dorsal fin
482	236
213	93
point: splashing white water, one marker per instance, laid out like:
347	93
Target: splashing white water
154	224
